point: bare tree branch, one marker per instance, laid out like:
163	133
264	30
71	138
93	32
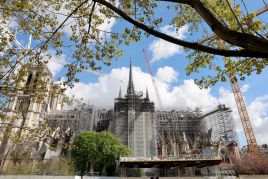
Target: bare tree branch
195	46
60	26
90	17
247	41
258	12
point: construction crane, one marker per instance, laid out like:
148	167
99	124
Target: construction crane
241	106
243	113
153	80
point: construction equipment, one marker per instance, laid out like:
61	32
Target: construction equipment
153	80
251	140
241	106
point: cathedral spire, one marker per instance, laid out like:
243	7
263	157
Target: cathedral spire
120	93
130	87
147	94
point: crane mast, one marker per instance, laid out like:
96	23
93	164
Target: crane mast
242	109
250	136
251	140
153	80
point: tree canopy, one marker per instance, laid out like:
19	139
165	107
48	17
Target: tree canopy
75	26
97	151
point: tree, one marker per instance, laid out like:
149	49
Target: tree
27	93
75	27
97	151
60	166
251	165
243	36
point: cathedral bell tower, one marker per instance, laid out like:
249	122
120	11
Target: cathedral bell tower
37	96
34	96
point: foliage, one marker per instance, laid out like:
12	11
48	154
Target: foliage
19	142
59	166
75	27
252	165
24	168
14	110
97	151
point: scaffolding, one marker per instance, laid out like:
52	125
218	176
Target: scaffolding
103	118
134	121
78	120
86	117
192	132
178	132
221	122
134	124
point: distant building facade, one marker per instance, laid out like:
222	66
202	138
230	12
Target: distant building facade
263	150
33	106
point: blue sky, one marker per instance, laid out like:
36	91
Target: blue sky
176	89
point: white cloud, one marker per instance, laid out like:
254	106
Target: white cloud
167	74
105	26
186	94
56	64
244	88
257	111
103	92
106	89
162	49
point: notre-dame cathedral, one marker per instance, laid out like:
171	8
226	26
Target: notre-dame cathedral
134	119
